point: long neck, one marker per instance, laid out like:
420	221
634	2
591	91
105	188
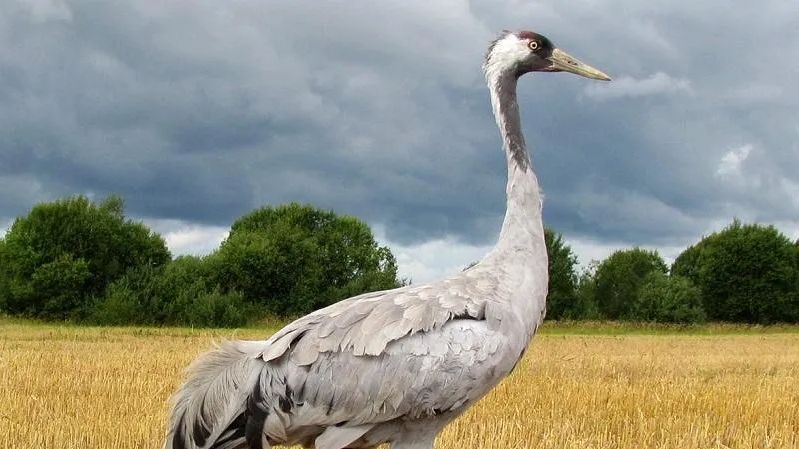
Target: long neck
522	226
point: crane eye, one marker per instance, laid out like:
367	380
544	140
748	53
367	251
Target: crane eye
534	45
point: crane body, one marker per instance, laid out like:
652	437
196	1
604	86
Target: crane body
393	366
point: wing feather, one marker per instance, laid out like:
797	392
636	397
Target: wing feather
339	437
366	324
416	376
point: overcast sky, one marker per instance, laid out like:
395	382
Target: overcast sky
197	112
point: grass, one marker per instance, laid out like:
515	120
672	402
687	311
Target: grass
582	385
633	328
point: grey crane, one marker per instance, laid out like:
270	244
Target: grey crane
393	366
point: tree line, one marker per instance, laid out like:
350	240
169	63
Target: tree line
77	260
74	259
745	273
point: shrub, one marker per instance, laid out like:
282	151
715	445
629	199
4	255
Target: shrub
214	309
619	278
585	306
668	299
121	306
64	253
745	273
59	287
5	280
293	259
562	293
178	293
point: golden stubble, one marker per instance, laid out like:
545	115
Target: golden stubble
71	387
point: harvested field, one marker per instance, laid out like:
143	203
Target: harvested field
581	386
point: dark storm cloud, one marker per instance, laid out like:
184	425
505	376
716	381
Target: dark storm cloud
638	160
378	109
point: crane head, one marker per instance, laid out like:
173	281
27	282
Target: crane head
525	51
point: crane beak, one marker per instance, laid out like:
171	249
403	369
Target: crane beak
564	62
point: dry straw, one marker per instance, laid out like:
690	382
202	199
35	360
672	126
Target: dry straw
76	388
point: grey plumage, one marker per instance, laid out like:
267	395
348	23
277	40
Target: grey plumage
393	366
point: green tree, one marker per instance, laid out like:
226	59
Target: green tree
562	293
620	277
64	253
687	264
668	299
745	273
5	284
585	306
295	258
178	293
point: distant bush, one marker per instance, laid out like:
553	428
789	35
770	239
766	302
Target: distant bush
60	286
562	293
178	285
745	273
79	260
620	277
194	298
294	259
64	253
179	293
5	282
135	298
215	309
585	305
667	299
121	306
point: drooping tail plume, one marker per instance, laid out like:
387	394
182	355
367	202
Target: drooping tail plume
208	410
